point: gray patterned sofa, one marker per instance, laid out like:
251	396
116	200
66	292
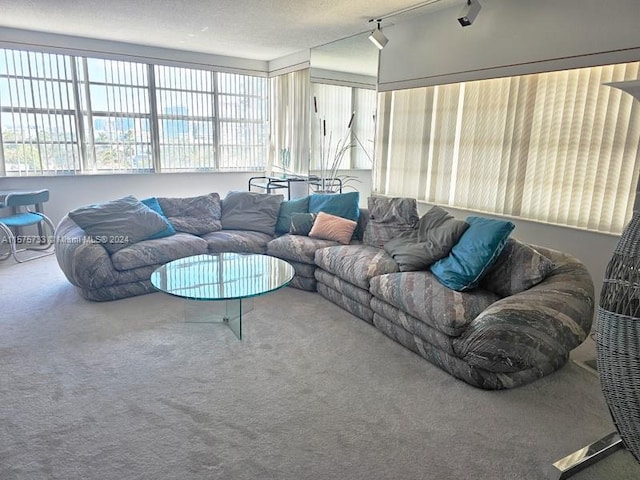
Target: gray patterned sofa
518	323
530	309
106	266
116	247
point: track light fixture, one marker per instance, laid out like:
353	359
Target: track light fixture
377	37
469	13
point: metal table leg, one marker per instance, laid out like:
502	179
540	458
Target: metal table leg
573	463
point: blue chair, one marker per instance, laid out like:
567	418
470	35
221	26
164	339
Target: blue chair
22	215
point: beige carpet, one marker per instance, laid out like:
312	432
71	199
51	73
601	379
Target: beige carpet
127	390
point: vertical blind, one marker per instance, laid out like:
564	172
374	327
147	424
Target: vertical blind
556	147
289	145
335	104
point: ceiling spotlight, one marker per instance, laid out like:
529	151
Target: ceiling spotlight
469	13
377	37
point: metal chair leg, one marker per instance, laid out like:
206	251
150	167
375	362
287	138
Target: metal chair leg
13	247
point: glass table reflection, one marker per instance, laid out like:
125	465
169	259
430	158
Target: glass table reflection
230	279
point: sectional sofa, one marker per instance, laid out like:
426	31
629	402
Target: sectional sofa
512	320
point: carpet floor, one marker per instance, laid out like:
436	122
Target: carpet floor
128	390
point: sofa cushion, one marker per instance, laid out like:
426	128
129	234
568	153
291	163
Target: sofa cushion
118	223
331	227
438	231
388	218
422	296
251	211
196	215
356	264
345	288
303	269
237	241
343	205
297	247
287	210
153	204
158	251
302	223
518	268
477	250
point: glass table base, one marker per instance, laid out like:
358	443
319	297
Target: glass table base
227	312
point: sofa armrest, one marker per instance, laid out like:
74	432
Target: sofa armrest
534	329
86	264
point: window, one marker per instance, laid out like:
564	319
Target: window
186	118
333	128
63	114
115	110
38	115
244	130
556	147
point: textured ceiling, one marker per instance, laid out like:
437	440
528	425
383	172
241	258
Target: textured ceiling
255	29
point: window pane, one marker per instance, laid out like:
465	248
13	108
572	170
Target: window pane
116	115
38	117
186	118
243	107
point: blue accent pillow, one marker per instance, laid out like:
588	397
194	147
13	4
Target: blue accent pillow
287	210
154	205
473	255
343	205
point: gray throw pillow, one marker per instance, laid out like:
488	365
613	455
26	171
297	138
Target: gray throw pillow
441	230
518	268
302	223
436	234
195	215
118	223
253	211
388	217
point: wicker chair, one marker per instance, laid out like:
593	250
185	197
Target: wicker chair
618	336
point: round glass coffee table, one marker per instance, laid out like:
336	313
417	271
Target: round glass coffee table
230	280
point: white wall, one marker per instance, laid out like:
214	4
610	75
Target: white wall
509	37
51	42
69	192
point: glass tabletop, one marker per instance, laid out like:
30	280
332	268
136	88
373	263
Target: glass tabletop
222	276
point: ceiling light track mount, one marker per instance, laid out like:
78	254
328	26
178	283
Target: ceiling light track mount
376	36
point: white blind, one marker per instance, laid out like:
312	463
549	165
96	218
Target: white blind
330	125
556	147
289	145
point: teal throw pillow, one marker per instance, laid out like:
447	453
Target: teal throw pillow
153	204
476	251
343	205
287	210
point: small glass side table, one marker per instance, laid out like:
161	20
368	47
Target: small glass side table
229	279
